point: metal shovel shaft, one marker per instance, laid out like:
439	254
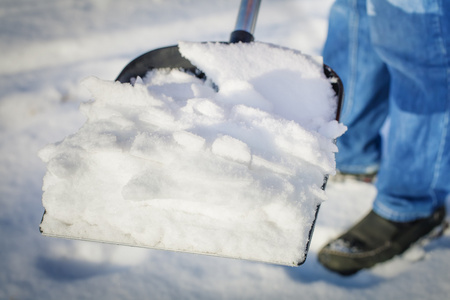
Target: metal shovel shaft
246	21
248	13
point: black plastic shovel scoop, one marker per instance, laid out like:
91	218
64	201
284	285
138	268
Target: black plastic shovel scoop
210	228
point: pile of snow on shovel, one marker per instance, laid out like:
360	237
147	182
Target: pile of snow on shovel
231	166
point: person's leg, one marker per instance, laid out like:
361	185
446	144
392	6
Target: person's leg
413	38
348	51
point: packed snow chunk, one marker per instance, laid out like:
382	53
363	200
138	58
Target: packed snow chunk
293	83
189	141
231	148
231	166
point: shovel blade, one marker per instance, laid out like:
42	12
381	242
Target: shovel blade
171	58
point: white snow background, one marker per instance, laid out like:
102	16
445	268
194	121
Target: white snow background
46	49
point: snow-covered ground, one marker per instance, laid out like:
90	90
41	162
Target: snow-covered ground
46	48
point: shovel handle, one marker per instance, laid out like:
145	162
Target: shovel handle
246	22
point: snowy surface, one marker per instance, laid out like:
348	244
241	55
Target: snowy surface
170	163
47	48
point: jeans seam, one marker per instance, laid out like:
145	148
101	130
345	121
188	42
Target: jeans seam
445	121
353	55
384	211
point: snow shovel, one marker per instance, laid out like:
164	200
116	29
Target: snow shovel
171	58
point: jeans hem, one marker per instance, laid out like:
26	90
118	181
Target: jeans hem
400	216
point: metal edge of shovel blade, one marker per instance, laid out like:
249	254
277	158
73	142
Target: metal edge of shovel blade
188	251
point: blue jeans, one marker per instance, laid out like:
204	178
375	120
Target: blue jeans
393	57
